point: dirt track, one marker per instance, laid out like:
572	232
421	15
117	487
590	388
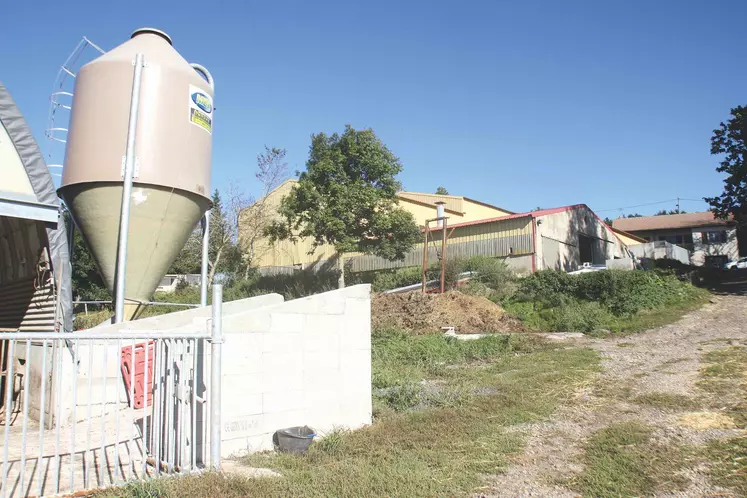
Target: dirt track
664	360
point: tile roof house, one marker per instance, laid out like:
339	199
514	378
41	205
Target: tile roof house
711	240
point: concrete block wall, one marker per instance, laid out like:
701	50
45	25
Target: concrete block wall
303	362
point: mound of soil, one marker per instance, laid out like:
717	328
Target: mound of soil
427	313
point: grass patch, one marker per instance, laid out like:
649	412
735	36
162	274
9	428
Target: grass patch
621	460
432	451
666	401
625	344
728	463
724	377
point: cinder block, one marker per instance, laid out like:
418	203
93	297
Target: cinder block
326	360
281	362
331	303
282	401
358	291
277	381
286	322
242	394
358	306
322	379
324	324
320	340
241	427
356	334
253	321
282	420
282	342
238	447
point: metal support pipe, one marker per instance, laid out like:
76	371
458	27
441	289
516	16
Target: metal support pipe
443	255
205	261
216	343
425	255
124	219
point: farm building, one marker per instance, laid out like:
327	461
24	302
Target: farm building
296	255
561	238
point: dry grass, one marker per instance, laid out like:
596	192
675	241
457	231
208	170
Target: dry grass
622	460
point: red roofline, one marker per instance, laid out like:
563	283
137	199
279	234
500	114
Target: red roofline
530	214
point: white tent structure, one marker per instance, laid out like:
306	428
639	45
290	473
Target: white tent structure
35	269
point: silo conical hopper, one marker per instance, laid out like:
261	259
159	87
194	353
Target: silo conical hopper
171	179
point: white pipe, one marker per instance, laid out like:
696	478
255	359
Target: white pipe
440	214
124	220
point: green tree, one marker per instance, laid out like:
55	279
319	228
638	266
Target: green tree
346	198
664	212
608	221
442	191
729	140
634	215
189	259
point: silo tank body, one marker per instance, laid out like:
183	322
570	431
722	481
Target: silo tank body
171	181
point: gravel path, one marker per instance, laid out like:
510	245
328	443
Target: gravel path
663	360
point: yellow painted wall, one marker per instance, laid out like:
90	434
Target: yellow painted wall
475	211
628	241
301	253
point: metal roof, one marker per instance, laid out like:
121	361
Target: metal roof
669	222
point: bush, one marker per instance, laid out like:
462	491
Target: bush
578	316
621	292
494	274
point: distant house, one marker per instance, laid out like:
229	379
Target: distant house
712	241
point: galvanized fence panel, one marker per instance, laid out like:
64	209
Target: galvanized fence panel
90	410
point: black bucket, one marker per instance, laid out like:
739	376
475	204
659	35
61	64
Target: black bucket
294	439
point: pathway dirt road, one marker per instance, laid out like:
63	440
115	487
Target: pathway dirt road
663	360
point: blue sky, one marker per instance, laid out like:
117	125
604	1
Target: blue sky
519	104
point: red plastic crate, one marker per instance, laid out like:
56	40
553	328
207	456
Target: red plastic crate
139	365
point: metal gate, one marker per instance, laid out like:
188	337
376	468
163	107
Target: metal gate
90	410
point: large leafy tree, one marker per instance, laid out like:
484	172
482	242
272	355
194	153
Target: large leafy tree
347	198
730	141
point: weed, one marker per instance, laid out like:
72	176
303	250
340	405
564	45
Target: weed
621	460
666	401
728	463
625	344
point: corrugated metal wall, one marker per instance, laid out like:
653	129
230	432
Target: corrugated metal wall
27	299
495	239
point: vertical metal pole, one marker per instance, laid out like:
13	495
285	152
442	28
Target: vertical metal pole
216	343
193	427
74	420
124	220
102	431
133	412
425	255
26	379
42	412
8	411
146	391
118	469
205	261
89	395
443	255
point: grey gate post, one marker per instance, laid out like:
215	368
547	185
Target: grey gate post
216	344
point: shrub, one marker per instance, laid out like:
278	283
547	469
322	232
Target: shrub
621	292
578	316
493	273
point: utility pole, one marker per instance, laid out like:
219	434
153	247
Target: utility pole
678	205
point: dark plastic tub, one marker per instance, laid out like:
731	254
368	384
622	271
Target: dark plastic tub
294	439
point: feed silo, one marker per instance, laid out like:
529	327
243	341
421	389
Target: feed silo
171	169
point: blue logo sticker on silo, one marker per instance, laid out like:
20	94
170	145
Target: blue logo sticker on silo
202	101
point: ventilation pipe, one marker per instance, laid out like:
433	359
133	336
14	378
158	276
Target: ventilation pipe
440	213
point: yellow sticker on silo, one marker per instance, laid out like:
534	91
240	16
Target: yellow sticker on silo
200	109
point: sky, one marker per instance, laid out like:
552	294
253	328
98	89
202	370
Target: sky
518	104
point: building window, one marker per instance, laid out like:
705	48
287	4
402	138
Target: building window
713	237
